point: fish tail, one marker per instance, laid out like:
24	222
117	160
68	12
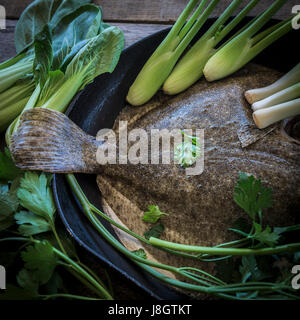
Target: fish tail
47	140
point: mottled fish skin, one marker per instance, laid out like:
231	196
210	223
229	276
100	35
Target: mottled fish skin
200	208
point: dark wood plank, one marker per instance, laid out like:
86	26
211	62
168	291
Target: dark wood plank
154	11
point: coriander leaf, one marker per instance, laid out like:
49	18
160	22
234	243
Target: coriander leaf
28	281
54	284
8	170
140	253
41	260
267	236
155	231
31	224
153	215
8	206
251	196
36	196
250	270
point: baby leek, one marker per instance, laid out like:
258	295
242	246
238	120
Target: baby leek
288	80
267	116
190	68
160	64
246	45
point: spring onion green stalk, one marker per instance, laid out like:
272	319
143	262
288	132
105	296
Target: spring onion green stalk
246	45
285	95
267	116
288	80
162	61
190	68
224	251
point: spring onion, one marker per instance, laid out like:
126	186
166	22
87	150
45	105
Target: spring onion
246	45
285	95
162	61
190	68
267	116
289	79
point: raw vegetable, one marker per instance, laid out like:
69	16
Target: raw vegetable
32	21
27	209
160	64
79	64
285	95
13	100
64	58
72	32
190	68
267	116
288	80
246	45
250	195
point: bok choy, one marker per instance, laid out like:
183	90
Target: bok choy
71	33
55	89
246	45
162	61
32	21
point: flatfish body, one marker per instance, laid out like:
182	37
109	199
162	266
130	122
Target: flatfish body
200	207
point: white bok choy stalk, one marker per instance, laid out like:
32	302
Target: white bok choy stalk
246	45
288	80
162	61
285	95
189	69
265	117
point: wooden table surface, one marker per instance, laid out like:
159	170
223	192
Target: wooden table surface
137	19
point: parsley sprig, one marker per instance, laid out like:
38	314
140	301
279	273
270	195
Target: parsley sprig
27	211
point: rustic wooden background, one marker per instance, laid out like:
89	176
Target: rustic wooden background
151	11
137	19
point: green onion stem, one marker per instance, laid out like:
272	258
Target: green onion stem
293	247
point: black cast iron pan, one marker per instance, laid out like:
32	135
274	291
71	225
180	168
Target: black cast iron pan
97	107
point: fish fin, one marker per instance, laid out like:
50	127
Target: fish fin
47	140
